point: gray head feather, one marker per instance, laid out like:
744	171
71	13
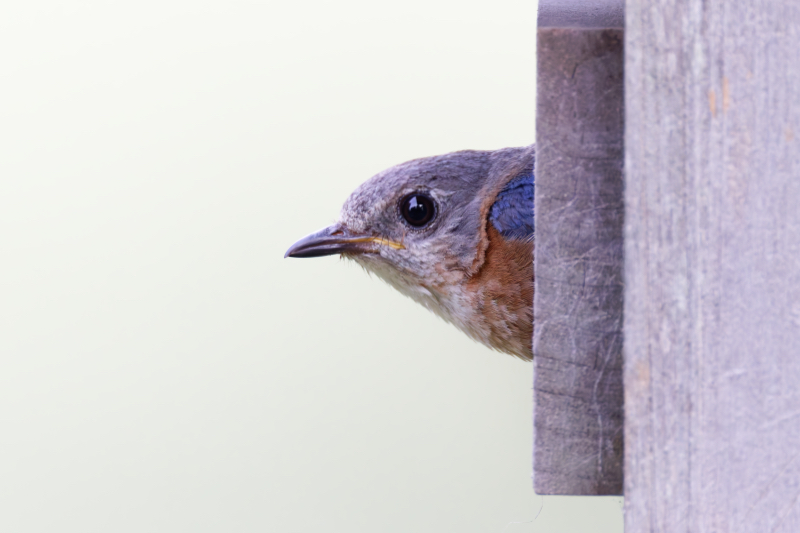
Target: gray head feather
450	249
461	183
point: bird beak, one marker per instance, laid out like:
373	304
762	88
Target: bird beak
337	239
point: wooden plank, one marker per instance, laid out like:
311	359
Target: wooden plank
597	14
712	300
578	262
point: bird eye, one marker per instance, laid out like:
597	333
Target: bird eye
418	209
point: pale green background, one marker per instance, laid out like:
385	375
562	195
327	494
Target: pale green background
163	367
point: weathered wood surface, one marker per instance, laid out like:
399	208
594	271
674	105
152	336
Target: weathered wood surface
598	14
712	300
578	396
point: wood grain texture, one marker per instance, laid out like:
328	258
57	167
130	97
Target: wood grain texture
597	14
712	271
578	296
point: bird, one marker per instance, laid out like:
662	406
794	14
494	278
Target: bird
453	232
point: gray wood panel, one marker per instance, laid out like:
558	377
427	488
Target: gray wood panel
578	298
712	299
597	14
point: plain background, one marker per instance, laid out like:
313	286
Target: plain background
162	367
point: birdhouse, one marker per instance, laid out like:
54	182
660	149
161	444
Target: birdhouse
699	104
666	258
579	206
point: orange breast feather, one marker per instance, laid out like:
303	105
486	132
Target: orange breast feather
502	293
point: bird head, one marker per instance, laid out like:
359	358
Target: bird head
422	225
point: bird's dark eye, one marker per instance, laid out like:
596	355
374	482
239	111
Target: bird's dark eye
418	209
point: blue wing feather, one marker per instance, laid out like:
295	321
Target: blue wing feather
512	211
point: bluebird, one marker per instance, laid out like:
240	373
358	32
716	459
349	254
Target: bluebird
453	232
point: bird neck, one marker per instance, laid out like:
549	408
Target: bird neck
500	295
